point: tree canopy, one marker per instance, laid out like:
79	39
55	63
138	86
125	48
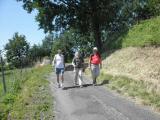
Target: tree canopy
86	15
17	50
90	16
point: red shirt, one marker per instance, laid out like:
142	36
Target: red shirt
95	59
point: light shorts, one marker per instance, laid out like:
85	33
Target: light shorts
59	71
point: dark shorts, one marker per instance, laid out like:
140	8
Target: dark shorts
59	71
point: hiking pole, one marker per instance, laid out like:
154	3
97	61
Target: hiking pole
2	70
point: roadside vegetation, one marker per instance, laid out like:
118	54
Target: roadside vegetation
29	96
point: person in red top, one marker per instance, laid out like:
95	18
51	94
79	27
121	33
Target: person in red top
95	64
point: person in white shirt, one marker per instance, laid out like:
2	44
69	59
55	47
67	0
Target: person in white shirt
59	64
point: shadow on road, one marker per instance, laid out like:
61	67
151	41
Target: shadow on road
72	87
86	85
104	82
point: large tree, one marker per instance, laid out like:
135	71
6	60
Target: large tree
17	50
86	15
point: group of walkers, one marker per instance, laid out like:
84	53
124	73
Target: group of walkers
95	64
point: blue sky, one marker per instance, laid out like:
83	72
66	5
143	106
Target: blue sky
13	18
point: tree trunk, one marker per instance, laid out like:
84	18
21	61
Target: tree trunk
97	37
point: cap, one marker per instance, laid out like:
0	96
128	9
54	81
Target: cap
95	48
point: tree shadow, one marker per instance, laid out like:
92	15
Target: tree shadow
104	82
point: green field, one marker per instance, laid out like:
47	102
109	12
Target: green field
28	95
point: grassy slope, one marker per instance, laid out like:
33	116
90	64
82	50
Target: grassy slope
145	33
33	100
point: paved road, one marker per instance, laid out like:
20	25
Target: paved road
94	103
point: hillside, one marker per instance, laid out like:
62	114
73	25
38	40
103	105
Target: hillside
142	34
140	54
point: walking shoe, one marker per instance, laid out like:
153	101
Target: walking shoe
61	85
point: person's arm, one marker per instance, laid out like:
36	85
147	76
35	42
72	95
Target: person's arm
73	63
54	61
83	65
100	63
90	61
64	62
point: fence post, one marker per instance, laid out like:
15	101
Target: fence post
2	70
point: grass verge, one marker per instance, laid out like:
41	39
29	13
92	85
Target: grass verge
32	101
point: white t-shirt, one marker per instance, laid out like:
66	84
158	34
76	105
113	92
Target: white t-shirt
58	61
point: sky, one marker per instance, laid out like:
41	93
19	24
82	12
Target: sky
13	18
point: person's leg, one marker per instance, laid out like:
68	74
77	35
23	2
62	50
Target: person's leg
62	76
57	74
93	72
97	71
58	78
80	77
76	75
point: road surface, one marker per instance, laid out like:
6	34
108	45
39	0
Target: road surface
94	103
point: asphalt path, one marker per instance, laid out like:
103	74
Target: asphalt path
94	102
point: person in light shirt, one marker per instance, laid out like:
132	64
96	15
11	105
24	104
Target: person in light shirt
59	64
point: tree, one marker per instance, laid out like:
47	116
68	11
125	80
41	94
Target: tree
86	15
47	44
65	43
17	51
36	53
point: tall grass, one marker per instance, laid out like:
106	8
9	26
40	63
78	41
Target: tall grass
29	96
